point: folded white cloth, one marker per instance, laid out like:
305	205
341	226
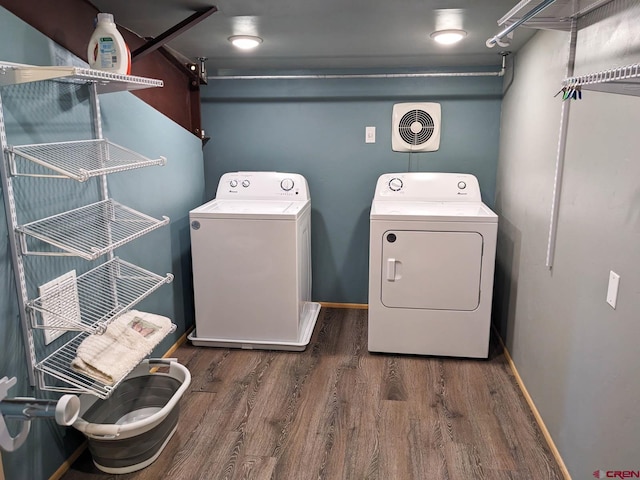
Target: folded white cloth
126	341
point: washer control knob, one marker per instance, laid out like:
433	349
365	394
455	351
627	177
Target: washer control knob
462	185
245	183
233	183
286	184
395	184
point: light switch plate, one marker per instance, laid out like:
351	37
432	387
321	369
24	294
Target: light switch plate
369	134
612	290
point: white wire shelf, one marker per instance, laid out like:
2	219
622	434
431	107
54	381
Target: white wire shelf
92	230
58	365
622	80
80	160
90	302
106	82
556	16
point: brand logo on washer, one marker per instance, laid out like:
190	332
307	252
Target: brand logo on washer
195	225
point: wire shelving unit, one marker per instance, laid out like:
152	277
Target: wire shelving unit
90	302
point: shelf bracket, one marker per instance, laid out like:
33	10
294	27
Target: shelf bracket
171	33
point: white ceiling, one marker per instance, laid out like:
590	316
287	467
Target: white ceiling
298	35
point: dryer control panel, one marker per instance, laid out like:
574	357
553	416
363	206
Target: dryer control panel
263	186
428	187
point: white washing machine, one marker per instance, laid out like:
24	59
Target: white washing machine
431	265
251	252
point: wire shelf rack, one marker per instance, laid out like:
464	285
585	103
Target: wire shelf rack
92	230
92	300
623	80
80	160
58	366
556	16
106	82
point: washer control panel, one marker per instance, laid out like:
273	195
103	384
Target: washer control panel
262	186
428	187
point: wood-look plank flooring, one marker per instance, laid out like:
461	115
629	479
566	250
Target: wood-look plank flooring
336	411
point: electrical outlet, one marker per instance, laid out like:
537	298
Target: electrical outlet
369	134
612	290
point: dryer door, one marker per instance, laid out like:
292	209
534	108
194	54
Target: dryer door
431	270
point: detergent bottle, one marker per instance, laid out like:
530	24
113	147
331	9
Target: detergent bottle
107	49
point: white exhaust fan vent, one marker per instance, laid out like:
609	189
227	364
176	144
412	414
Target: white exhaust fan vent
416	127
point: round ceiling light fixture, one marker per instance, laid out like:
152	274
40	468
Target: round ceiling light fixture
448	37
245	42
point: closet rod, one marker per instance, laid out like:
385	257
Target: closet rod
493	41
499	73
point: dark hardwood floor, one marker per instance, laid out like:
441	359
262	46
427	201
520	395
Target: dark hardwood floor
338	412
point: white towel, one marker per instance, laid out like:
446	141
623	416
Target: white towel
126	341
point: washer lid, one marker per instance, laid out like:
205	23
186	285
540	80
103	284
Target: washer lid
250	209
432	211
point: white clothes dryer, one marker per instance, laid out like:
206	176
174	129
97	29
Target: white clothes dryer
251	253
431	265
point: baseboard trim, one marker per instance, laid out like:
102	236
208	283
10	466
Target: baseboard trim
178	343
64	468
357	306
536	414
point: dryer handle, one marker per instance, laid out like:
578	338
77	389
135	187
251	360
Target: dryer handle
391	269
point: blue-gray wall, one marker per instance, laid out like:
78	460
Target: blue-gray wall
577	356
171	190
316	127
